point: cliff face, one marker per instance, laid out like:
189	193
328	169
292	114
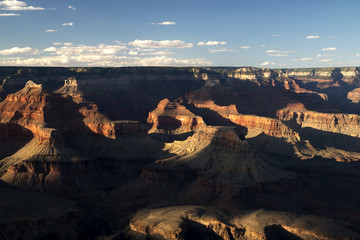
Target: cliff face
347	124
25	107
354	95
173	117
254	124
32	108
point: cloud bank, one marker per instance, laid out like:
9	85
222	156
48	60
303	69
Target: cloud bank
18	50
14	5
8	14
136	53
160	44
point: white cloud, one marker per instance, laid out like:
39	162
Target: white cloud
160	44
51	30
42	61
120	43
14	5
211	43
329	49
17	50
245	47
325	55
68	24
277	35
278	51
8	14
68	43
133	53
269	63
220	50
326	60
306	59
50	49
72	8
301	59
70	50
167	23
358	54
312	37
57	43
278	55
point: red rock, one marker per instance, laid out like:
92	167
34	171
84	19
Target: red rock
174	116
354	95
347	124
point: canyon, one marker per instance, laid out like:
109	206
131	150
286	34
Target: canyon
179	153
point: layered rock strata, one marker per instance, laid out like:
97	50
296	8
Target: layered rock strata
172	117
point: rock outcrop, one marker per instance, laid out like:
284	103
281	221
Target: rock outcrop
183	222
251	73
172	117
292	86
255	124
347	124
354	95
70	88
223	156
25	107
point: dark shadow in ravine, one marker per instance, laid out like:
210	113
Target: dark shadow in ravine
192	230
131	93
268	144
12	138
209	116
276	232
247	96
167	138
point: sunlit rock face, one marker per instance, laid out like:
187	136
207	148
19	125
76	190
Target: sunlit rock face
354	95
179	153
172	116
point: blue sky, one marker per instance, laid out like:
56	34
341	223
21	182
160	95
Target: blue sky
261	33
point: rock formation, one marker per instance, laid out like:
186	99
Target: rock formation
71	88
347	124
354	95
173	117
217	155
